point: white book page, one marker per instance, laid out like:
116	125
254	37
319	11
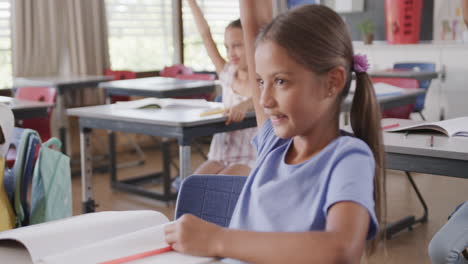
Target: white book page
450	127
123	246
455	125
163	103
58	236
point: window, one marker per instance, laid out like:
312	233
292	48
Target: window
218	13
140	34
5	45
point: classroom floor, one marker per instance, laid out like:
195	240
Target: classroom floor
442	195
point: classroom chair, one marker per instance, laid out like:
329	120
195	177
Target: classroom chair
124	75
450	244
420	66
41	94
174	70
210	197
405	111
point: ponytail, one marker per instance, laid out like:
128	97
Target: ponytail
365	121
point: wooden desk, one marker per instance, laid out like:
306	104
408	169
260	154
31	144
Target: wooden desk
63	84
24	109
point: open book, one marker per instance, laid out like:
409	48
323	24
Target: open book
92	238
155	103
451	127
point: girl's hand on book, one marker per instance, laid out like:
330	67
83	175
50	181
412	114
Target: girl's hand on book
194	236
237	112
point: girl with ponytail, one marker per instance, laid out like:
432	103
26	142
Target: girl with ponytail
316	192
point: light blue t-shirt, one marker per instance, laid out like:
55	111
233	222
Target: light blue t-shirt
292	198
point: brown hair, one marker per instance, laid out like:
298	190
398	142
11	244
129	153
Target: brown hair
317	38
235	24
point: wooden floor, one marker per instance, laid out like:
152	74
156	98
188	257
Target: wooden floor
442	194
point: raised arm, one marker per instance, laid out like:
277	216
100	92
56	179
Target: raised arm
205	33
465	11
254	14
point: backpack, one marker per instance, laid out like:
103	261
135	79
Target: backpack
7	215
51	186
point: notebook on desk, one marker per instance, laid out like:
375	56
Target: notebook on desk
93	238
456	127
156	103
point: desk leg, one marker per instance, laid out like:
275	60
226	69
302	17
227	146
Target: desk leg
62	119
184	163
86	171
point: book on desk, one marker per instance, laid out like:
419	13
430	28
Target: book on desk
104	237
456	127
156	103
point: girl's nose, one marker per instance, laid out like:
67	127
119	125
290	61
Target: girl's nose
266	98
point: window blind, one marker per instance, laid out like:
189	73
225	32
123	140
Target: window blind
140	34
218	13
5	44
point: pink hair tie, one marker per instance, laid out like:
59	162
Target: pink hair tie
360	63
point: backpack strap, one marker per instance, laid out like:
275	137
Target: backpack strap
24	159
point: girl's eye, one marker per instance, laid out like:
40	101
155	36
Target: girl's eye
280	81
260	82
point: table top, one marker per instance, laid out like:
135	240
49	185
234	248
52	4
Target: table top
59	80
154	85
184	116
19	104
172	116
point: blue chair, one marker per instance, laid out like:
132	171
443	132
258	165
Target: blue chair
210	197
421	66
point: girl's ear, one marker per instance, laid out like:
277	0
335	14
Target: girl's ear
336	80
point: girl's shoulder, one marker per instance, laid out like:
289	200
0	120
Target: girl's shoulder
347	144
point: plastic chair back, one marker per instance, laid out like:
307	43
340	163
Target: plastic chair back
210	197
120	75
173	71
401	111
197	76
421	66
39	94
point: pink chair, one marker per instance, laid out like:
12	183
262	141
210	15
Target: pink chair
41	94
197	76
173	71
120	75
401	111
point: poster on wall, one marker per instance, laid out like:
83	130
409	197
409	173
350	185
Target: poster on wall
448	21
